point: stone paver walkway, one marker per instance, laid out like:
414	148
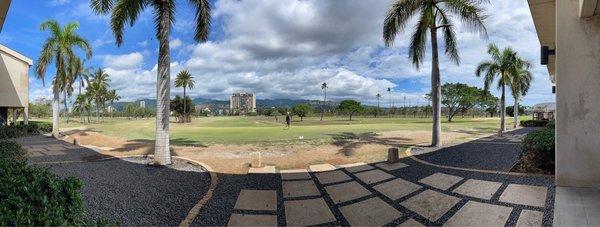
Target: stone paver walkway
408	193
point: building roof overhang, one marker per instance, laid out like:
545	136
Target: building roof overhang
4	5
16	55
544	19
588	8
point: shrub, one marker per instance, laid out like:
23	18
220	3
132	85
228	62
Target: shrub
537	154
534	123
15	131
33	196
10	150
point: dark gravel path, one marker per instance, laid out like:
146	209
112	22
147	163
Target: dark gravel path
489	153
127	189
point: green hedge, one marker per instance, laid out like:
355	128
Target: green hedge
534	123
33	196
538	150
20	130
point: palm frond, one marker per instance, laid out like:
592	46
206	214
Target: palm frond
417	46
125	11
451	46
396	18
203	9
470	13
101	6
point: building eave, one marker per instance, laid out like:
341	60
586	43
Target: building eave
544	19
16	55
588	8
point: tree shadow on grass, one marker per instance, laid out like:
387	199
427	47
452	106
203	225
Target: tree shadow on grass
349	142
146	143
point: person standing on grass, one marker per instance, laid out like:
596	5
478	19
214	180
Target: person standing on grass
288	120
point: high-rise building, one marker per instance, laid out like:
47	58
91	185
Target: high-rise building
242	102
143	104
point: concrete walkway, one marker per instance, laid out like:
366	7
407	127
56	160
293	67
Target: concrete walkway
406	193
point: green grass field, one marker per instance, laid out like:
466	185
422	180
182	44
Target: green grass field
265	131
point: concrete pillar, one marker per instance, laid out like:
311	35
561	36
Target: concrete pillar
26	115
15	115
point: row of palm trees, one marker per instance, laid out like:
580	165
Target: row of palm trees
439	15
97	94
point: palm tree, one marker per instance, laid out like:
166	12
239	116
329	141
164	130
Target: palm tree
112	96
519	85
503	65
184	79
378	96
126	12
59	48
324	88
433	15
99	91
389	90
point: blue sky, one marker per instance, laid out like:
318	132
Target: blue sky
277	49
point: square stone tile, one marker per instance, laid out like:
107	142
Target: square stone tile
391	167
430	204
307	212
478	188
257	200
340	193
530	218
357	167
370	212
480	214
292	189
396	188
321	167
525	195
332	177
410	223
294	174
252	220
373	176
441	180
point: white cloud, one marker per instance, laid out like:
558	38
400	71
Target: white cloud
124	62
58	2
175	43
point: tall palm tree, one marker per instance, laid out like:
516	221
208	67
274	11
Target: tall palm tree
389	90
519	84
60	49
432	16
377	96
126	12
184	79
324	88
503	65
112	96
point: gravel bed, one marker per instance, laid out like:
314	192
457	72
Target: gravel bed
138	194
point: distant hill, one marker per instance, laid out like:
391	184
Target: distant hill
151	103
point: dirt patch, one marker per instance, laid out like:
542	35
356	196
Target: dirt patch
345	148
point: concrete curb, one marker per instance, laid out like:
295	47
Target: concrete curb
413	157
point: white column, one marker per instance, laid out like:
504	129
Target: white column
26	115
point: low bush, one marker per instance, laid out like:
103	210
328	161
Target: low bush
20	130
534	123
537	154
33	196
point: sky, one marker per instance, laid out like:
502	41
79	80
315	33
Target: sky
278	49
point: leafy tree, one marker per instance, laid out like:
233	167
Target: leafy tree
39	110
178	106
184	79
302	110
488	102
60	49
433	16
275	113
510	110
350	107
459	97
503	65
124	12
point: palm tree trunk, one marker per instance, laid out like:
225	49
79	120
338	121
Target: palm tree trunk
98	111
502	109
66	108
324	103
184	105
162	155
436	91
55	113
516	112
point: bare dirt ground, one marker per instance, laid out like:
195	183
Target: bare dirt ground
350	148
